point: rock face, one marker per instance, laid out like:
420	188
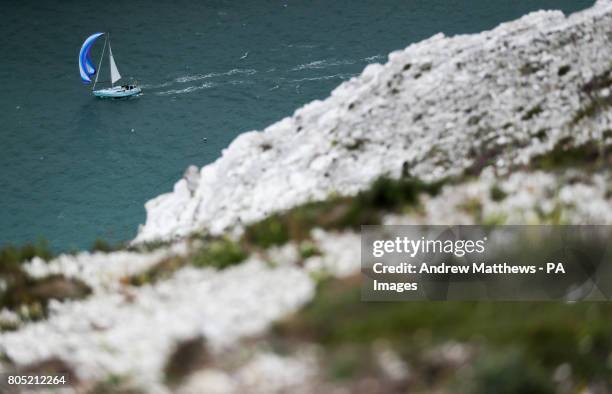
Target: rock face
435	109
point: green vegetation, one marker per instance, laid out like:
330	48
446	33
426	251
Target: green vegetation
162	270
563	70
30	296
385	195
483	157
115	384
473	207
12	256
149	246
591	109
566	154
599	82
497	194
596	103
518	342
101	245
27	295
533	112
510	372
348	362
219	253
308	249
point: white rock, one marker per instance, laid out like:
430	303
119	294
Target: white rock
133	334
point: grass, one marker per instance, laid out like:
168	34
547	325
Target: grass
308	249
17	294
510	372
30	296
338	213
544	335
149	246
162	270
219	253
596	103
472	207
566	154
103	246
591	109
385	195
12	256
115	384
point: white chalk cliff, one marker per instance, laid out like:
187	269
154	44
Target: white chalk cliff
434	109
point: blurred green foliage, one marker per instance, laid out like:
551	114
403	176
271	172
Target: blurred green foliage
17	284
149	246
385	195
219	253
566	154
101	245
544	335
12	256
308	249
162	270
29	296
38	292
510	372
597	102
497	194
213	252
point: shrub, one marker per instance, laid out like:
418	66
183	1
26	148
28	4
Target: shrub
509	373
219	253
101	245
497	194
338	213
11	255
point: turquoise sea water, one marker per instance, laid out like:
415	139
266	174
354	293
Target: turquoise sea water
73	168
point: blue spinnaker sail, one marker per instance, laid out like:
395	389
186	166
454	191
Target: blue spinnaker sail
86	67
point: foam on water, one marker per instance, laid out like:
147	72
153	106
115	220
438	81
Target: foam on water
191	78
318	64
325	77
189	89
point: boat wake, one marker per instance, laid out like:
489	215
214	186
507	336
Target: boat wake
319	64
198	77
189	89
273	78
344	76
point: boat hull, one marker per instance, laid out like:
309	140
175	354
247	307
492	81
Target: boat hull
117	92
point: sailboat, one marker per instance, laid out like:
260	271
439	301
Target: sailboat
87	70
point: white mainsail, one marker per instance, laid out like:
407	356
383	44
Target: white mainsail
114	72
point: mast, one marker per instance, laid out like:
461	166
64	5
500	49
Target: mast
100	63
